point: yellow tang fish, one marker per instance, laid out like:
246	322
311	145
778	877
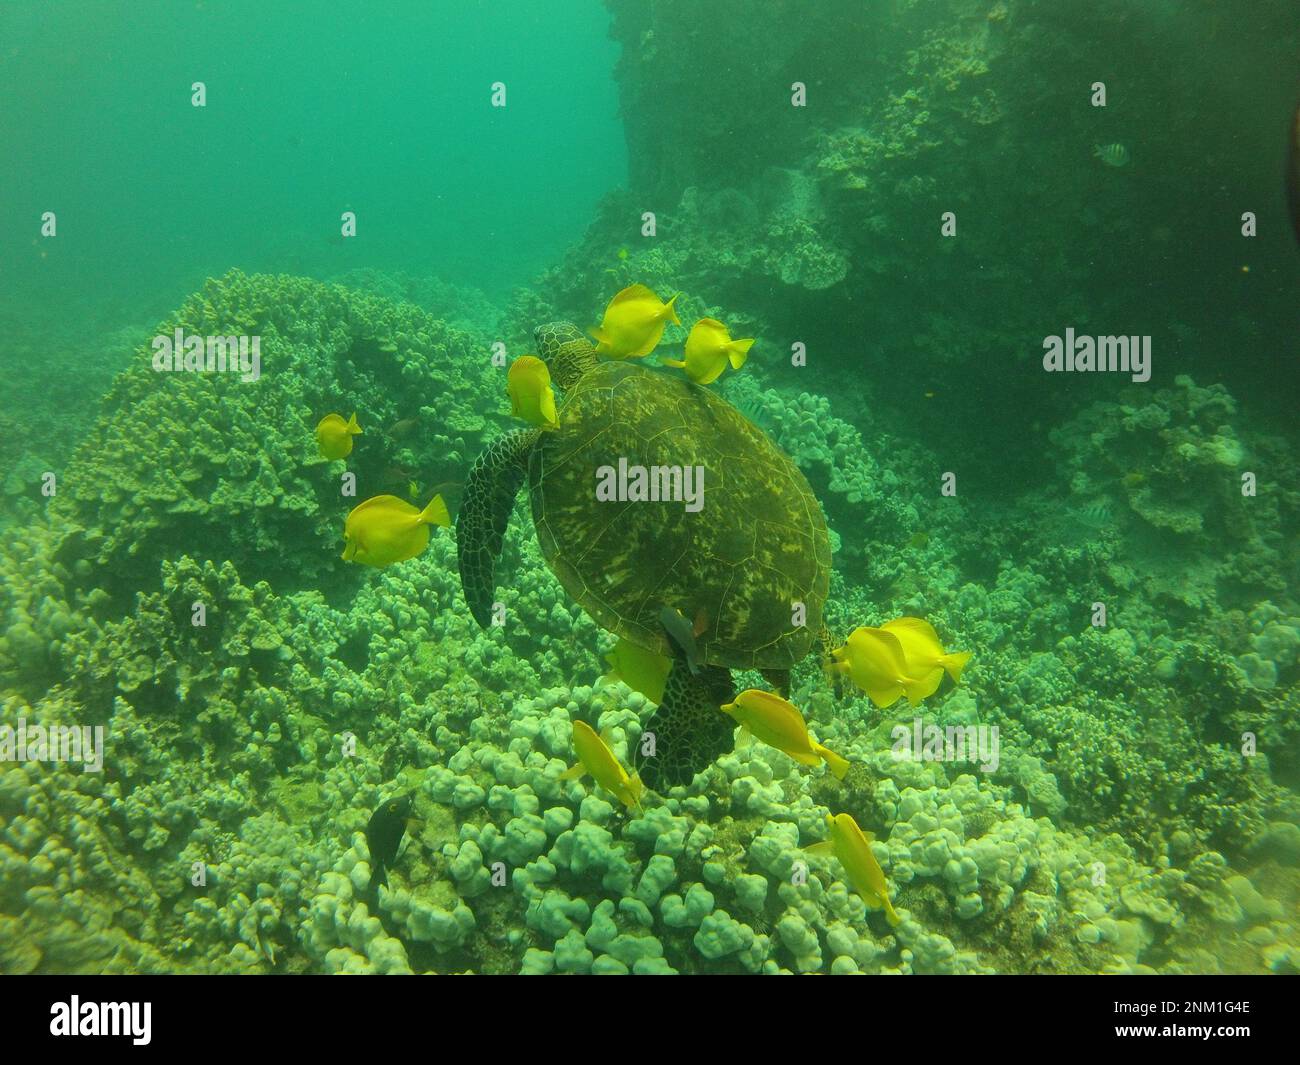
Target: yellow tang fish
633	323
641	670
708	350
922	651
386	529
853	848
873	659
334	435
595	757
779	724
531	396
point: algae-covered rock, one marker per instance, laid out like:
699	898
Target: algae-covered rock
227	468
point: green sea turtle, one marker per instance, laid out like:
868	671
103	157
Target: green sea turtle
750	566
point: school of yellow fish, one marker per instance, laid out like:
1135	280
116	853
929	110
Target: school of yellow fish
901	658
385	528
632	327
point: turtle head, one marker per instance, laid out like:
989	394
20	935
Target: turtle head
567	353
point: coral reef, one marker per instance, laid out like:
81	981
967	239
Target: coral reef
1120	559
221	463
1122	831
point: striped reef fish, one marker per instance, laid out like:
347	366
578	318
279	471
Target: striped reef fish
1111	154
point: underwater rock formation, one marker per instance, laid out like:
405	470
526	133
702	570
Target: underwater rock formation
221	465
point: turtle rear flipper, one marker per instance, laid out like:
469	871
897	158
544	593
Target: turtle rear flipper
690	730
490	493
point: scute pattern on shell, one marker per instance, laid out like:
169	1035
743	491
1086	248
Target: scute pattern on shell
758	545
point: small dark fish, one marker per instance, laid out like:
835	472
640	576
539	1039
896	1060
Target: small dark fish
681	634
403	428
391	475
1293	174
754	411
384	835
449	490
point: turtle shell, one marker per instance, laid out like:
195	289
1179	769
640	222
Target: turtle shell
737	567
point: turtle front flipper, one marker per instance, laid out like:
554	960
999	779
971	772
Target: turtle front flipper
690	729
490	492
